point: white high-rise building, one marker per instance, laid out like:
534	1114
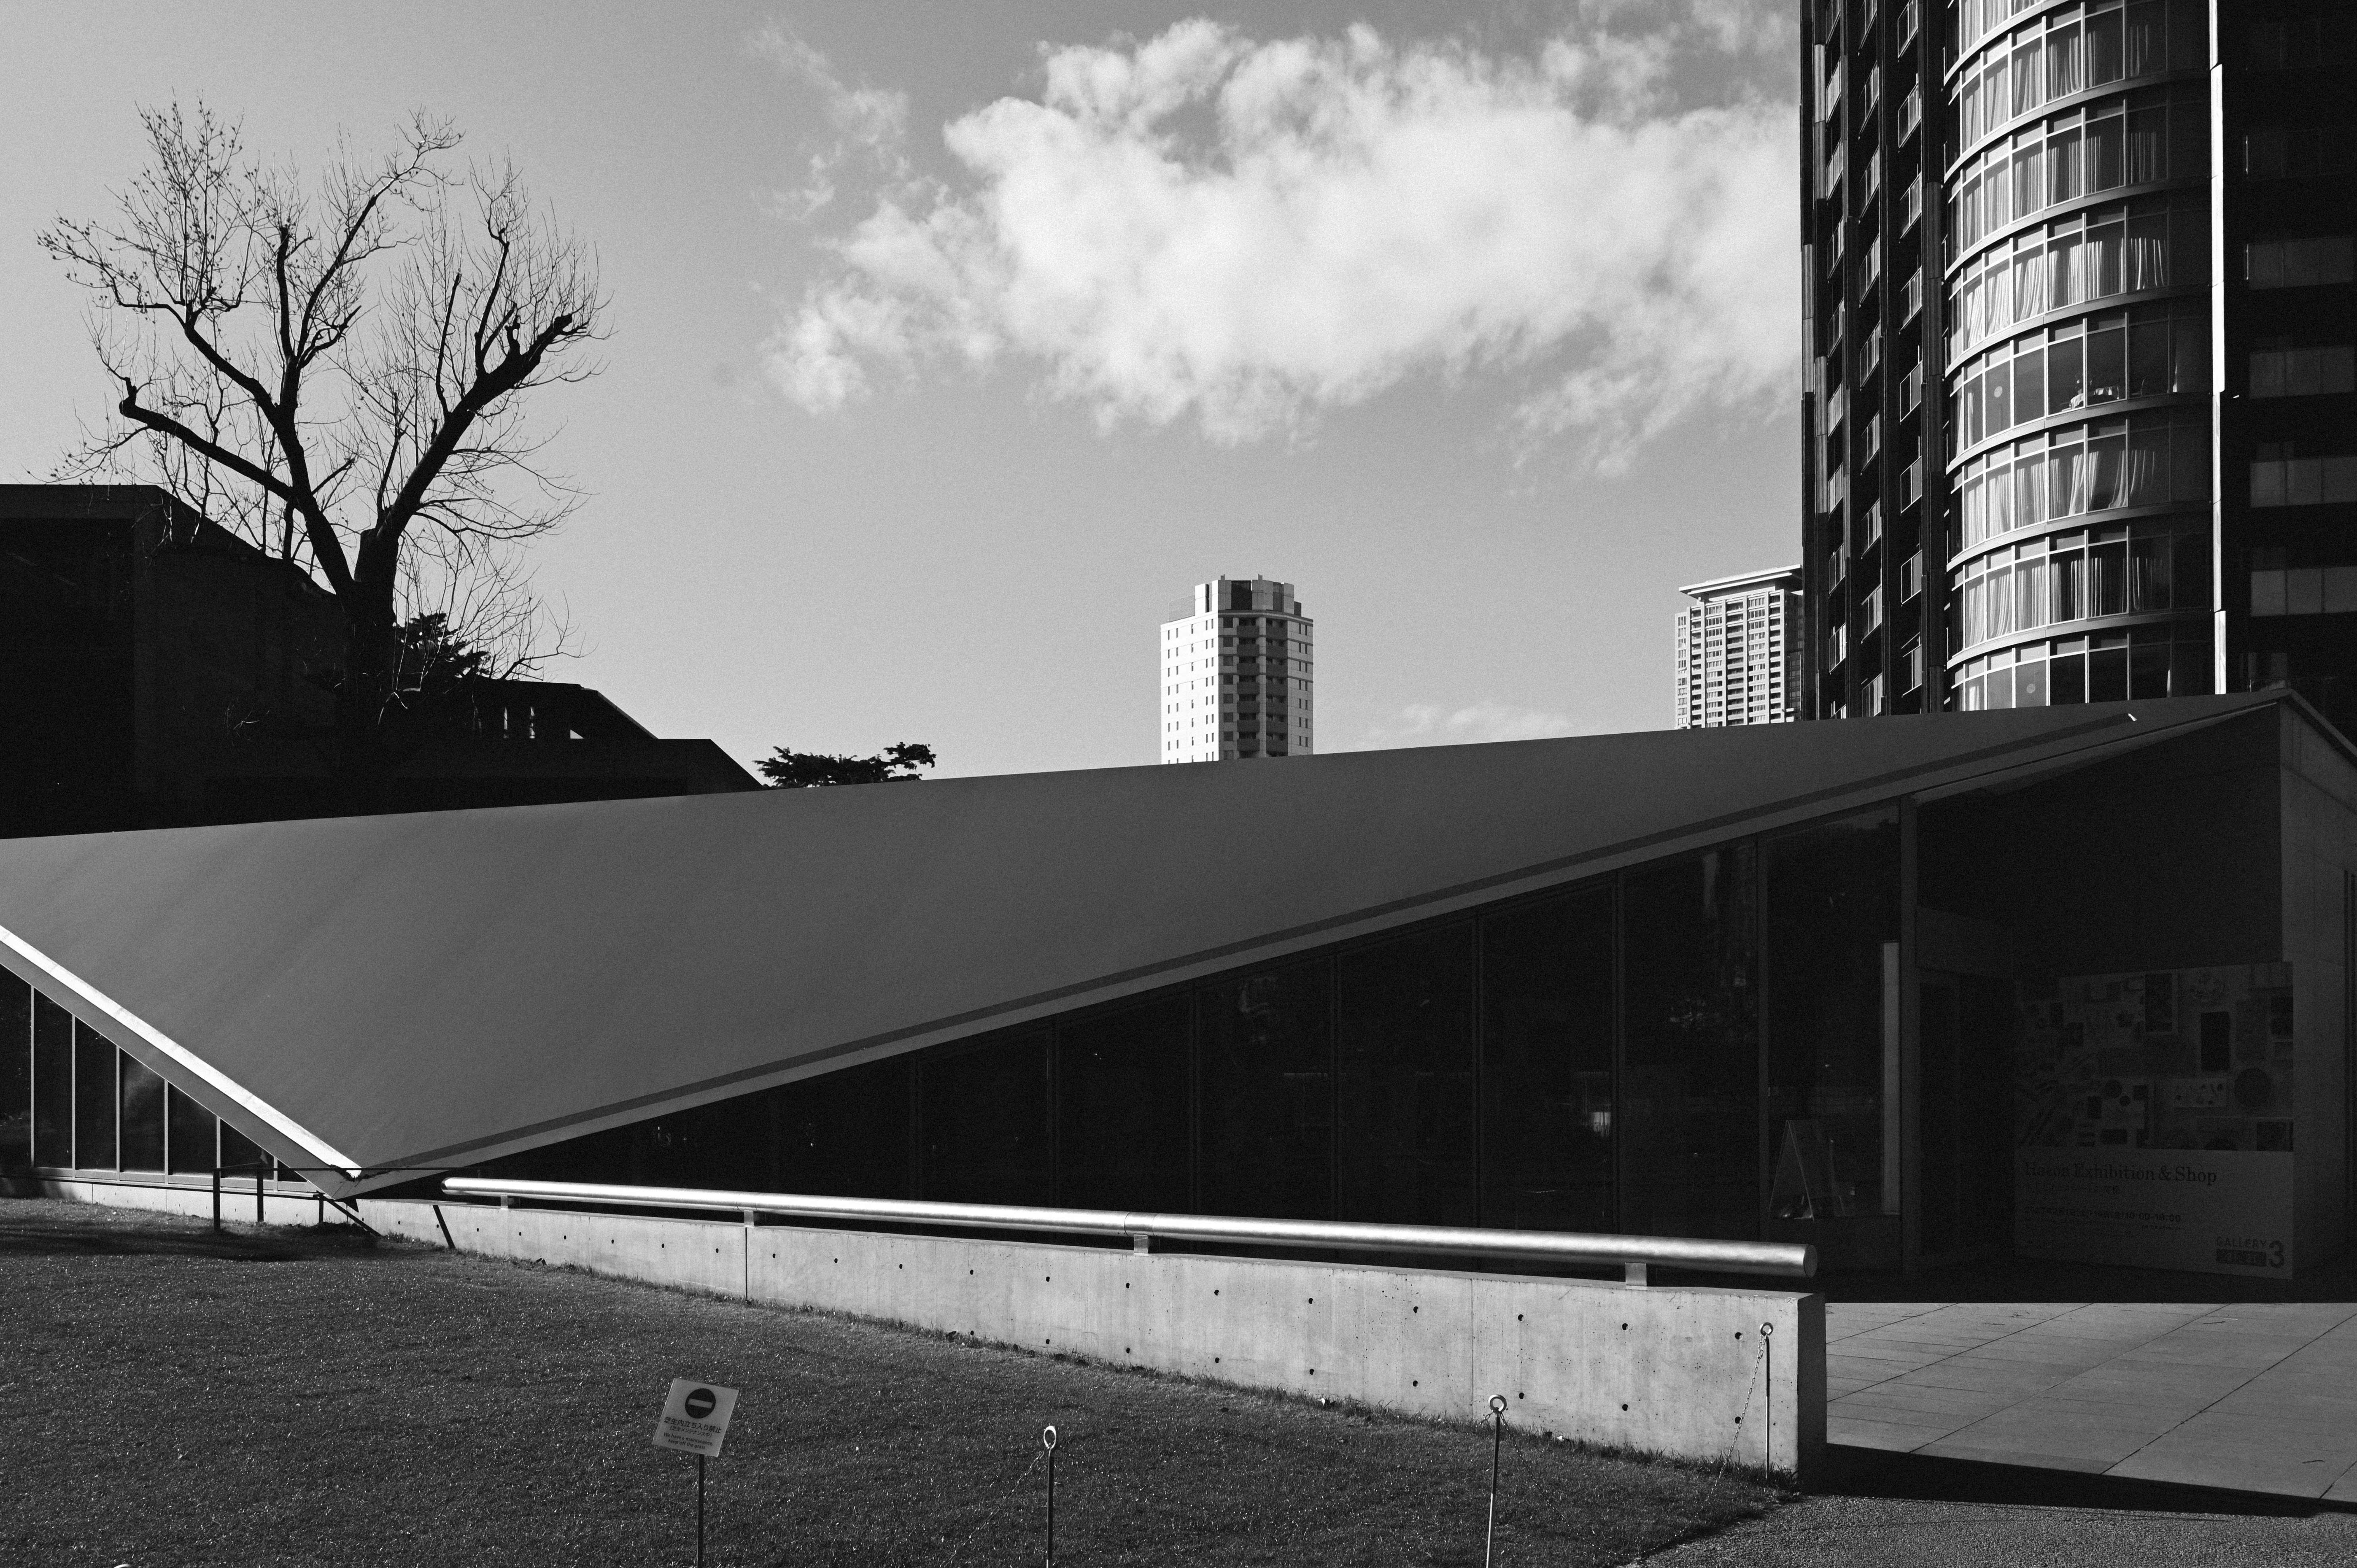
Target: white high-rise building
1738	650
1237	669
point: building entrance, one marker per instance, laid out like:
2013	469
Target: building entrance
1965	1119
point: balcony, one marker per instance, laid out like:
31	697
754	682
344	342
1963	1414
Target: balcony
1910	390
1911	205
1911	577
1869	528
1836	405
1869	266
1831	99
1871	94
1837	646
1910	19
1835	166
1871	178
1911	114
1910	483
1869	612
1911	296
1869	354
1871	440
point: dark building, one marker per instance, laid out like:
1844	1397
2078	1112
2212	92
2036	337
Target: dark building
2080	417
2073	983
156	669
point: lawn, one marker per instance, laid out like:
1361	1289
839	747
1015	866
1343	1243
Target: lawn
169	1398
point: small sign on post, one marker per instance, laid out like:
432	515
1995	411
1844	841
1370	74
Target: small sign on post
694	1419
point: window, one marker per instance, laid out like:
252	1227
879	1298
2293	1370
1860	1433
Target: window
1267	1085
53	1083
983	1119
1121	1108
16	1073
1689	1102
95	1102
1546	1061
2304	590
2303	371
2297	152
1404	1057
2299	263
2278	478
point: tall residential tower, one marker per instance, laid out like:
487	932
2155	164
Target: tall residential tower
1237	673
1738	650
2080	416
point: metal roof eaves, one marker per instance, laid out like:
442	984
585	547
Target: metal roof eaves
179	1053
1014	1012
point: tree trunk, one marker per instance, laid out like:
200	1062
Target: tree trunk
363	759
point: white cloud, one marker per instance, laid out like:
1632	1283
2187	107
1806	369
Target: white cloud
1430	723
866	122
1247	235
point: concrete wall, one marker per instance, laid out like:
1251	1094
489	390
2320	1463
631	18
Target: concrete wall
283	1203
1678	1371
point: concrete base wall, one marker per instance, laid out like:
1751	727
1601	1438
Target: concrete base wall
1684	1371
189	1196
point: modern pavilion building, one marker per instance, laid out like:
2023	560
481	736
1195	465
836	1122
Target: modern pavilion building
2072	981
2081	424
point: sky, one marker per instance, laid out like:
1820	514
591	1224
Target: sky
950	344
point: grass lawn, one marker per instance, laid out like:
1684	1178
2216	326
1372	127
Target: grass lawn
169	1397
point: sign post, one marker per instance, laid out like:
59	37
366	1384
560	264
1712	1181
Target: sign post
694	1419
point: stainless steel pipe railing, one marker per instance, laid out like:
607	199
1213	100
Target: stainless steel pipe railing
1631	1253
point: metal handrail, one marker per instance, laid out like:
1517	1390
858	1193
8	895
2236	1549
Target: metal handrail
1631	1253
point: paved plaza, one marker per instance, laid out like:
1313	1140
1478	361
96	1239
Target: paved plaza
2257	1398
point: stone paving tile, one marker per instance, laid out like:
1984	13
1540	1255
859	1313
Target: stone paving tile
2252	1398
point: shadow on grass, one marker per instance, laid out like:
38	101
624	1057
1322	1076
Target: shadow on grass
27	1232
1917	1478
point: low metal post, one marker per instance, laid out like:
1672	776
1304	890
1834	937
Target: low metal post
1047	1439
1497	1440
260	1172
217	1197
699	1511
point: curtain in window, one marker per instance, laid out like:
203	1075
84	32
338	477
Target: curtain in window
2145	48
1973	506
2068	479
2150	582
2029	74
2033	284
2144	251
2148	151
2144	476
2103	262
2030	593
2029	490
2069	577
2104	482
2066	60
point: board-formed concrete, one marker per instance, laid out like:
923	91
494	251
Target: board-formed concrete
2250	1398
1684	1371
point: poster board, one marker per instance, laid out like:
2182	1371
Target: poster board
2154	1120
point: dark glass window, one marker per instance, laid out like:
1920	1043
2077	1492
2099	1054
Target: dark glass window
1547	1064
53	1086
16	1073
94	1100
1832	897
237	1149
846	1134
1689	1094
191	1127
142	1115
984	1116
724	1145
1121	1109
1266	1087
1404	1064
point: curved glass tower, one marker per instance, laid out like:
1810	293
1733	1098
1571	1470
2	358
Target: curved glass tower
2081	426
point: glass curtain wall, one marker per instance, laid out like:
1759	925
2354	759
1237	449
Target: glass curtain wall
1832	902
1614	1056
1690	1075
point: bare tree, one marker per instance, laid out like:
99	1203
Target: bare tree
337	370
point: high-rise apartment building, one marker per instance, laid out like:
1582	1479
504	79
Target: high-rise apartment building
2080	416
1238	669
1737	655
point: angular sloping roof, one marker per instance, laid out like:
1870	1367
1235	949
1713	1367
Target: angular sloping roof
386	995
